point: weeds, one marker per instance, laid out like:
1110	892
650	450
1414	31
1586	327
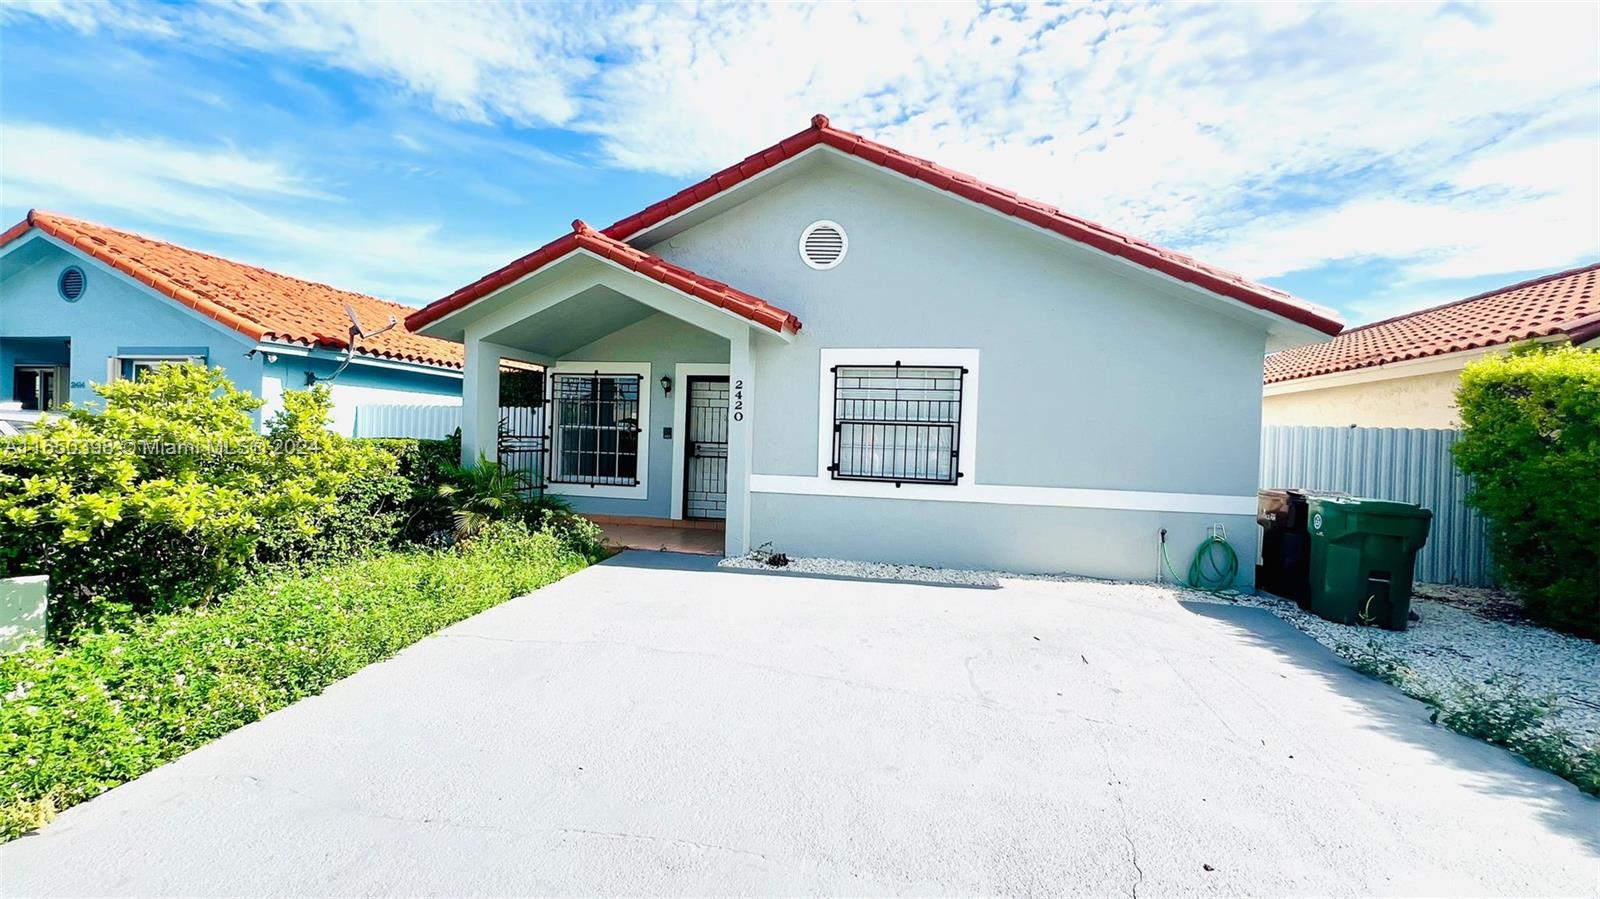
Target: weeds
1498	711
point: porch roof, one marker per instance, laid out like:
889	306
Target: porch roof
583	237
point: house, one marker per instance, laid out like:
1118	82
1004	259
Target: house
841	350
82	303
1403	372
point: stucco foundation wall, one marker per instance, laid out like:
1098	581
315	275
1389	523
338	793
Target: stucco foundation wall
1029	539
1419	401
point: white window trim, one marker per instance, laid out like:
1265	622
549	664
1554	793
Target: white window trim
114	372
607	491
968	460
681	373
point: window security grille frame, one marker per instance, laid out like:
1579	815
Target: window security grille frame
888	390
603	415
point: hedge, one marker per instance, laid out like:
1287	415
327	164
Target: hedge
76	721
1531	444
166	493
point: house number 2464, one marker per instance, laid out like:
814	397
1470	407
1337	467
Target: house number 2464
738	400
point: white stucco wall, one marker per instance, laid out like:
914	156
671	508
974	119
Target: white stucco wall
1094	376
1417	401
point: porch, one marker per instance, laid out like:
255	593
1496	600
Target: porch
701	538
644	416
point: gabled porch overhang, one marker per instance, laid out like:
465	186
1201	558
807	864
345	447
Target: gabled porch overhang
578	290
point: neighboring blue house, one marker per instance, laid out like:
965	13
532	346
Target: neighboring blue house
81	303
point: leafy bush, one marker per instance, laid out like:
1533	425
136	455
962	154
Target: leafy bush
362	494
161	498
79	720
486	492
423	465
1532	447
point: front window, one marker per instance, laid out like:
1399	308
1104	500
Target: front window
596	429
898	423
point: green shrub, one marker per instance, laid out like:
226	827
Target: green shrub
162	497
440	488
423	465
76	721
1531	445
362	493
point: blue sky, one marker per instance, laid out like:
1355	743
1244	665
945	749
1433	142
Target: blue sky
1370	159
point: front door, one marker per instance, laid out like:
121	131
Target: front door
705	470
37	387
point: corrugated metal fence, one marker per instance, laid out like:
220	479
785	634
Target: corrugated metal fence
429	422
1407	464
438	422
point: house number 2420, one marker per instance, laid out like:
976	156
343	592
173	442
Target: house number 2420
738	400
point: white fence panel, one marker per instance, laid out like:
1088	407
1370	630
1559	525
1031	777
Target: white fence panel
1408	464
438	422
427	422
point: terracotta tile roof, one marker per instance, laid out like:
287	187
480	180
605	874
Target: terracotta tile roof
260	304
1176	265
1563	303
586	238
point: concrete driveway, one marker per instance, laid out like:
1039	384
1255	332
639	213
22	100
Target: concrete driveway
655	725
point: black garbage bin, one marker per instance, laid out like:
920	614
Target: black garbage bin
1285	568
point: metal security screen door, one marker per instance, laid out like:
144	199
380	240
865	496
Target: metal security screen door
596	429
897	423
705	470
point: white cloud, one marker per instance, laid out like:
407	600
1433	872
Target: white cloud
1273	137
240	206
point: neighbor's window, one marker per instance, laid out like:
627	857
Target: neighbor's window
133	369
899	423
596	429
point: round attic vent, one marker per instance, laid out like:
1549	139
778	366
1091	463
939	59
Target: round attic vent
71	283
823	244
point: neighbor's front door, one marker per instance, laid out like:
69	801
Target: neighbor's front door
705	470
38	387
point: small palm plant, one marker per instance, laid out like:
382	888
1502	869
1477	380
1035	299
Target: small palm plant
485	492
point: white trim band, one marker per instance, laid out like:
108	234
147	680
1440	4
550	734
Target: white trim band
1009	495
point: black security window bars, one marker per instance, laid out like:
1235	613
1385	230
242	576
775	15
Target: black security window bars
596	429
897	423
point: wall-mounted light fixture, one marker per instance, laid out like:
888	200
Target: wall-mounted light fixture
666	385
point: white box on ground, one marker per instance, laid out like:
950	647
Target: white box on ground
23	601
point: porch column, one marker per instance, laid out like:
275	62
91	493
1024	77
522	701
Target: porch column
480	400
741	415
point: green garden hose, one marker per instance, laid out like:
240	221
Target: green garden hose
1213	568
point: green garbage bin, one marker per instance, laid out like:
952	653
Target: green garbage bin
1363	552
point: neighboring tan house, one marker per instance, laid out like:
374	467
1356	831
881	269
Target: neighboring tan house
980	381
82	303
1403	372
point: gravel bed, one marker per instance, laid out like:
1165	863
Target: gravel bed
1467	635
